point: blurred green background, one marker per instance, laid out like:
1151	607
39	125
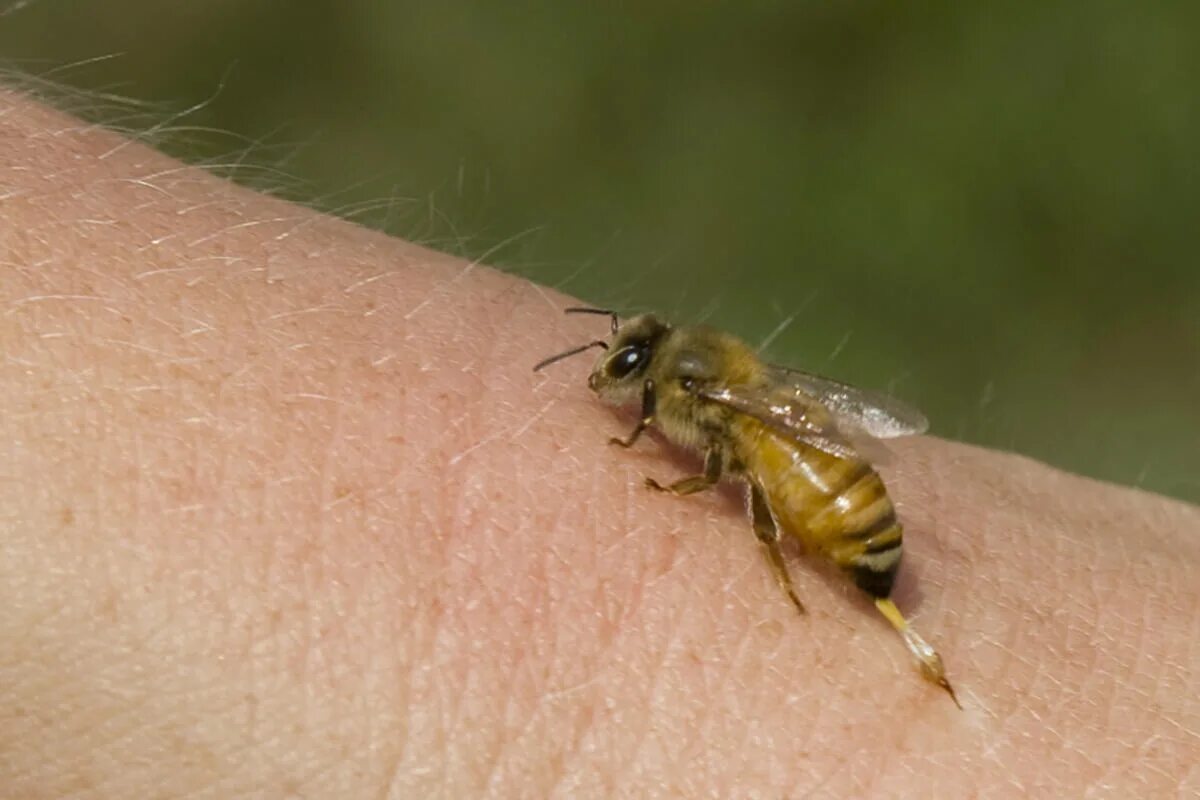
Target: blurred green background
990	209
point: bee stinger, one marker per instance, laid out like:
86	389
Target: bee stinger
788	435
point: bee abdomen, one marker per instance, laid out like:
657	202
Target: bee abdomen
869	544
875	564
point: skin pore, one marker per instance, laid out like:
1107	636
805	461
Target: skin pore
285	513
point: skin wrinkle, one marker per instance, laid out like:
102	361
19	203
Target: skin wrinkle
460	511
743	667
606	662
604	640
526	731
658	649
418	624
639	733
462	718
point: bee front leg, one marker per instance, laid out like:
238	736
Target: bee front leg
713	464
647	419
768	534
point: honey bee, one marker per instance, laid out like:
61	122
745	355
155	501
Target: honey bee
790	436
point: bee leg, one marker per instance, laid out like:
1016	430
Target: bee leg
647	419
713	464
768	534
930	662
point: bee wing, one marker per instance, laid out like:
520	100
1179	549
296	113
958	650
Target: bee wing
858	411
789	411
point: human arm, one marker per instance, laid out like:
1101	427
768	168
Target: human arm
286	512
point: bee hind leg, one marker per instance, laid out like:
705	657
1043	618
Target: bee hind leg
928	659
768	535
713	464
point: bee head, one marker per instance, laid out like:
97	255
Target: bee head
618	374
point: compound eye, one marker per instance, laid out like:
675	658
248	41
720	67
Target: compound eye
626	361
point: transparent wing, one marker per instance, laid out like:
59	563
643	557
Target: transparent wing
788	410
857	411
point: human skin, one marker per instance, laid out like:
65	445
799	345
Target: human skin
285	513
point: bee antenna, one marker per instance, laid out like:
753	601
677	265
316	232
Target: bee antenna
573	351
603	311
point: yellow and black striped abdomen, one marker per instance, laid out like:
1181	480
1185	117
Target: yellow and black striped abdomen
838	507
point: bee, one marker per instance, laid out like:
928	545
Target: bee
788	435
